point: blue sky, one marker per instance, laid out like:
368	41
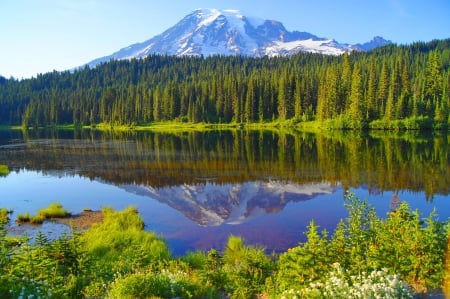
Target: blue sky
39	36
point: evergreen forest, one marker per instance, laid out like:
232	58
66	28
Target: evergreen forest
396	86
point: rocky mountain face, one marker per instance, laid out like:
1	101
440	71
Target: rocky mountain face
228	32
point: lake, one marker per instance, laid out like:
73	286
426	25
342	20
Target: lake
197	188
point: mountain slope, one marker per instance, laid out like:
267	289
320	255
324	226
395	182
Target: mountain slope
229	32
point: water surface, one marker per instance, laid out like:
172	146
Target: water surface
195	189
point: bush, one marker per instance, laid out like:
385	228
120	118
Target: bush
403	243
339	285
139	285
246	269
163	284
412	123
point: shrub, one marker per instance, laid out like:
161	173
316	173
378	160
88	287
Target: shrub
339	285
141	286
403	243
246	268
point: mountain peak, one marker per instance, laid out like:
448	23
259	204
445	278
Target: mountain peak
210	31
376	42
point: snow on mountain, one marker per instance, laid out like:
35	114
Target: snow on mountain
228	32
210	204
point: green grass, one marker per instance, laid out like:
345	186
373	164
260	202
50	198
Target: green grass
54	210
23	218
4	215
36	219
4	170
178	126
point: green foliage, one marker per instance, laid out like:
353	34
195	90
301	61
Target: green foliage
246	269
366	257
120	245
36	219
386	85
54	210
45	269
411	247
411	123
23	218
306	262
403	243
337	284
165	284
4	215
4	170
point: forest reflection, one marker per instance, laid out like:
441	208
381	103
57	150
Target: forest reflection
378	160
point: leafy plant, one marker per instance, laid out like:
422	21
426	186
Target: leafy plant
246	268
338	284
403	244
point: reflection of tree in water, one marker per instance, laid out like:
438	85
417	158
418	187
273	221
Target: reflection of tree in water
381	161
395	202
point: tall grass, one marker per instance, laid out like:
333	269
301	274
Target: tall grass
54	210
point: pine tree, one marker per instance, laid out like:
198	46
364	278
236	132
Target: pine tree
356	110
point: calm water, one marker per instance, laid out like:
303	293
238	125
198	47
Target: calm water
195	189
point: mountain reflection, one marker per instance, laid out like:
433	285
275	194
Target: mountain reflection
218	166
211	204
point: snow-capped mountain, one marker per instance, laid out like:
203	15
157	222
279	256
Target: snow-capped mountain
229	32
211	204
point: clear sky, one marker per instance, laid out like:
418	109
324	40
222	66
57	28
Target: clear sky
38	36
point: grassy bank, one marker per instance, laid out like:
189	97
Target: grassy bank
341	123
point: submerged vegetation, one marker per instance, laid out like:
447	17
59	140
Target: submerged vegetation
365	257
356	90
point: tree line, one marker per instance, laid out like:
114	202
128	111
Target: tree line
381	161
353	90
